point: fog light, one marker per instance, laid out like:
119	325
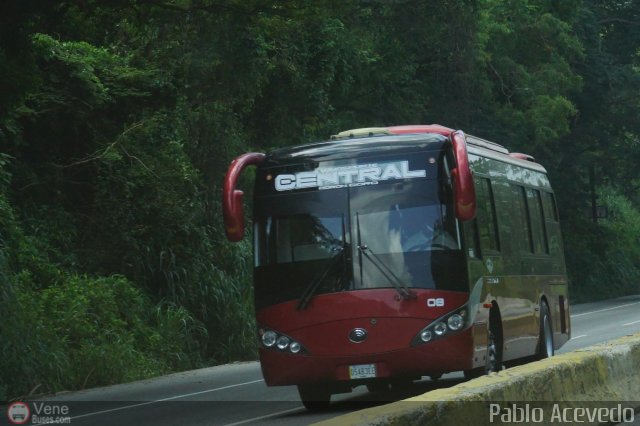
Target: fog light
455	322
294	347
426	335
440	328
283	342
269	338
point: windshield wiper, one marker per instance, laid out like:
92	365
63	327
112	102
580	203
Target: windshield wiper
319	279
400	286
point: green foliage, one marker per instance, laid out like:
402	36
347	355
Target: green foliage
118	120
85	332
65	331
606	260
528	51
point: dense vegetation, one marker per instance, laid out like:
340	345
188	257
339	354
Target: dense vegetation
118	119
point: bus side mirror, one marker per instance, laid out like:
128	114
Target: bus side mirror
232	207
464	188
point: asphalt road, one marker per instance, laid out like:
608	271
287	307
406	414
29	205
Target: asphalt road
235	394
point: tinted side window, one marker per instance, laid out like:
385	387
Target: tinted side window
549	205
487	223
509	229
551	224
521	217
471	233
538	232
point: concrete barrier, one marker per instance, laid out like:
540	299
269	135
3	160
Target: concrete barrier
589	378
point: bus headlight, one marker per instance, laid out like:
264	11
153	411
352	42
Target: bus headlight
426	335
283	342
269	338
440	328
455	322
294	347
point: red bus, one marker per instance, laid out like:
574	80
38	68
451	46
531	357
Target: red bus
388	254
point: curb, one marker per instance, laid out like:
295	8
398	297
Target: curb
602	373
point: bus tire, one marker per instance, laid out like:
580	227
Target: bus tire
493	360
315	397
545	343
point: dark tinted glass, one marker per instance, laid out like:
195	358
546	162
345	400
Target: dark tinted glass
486	216
538	232
522	218
549	204
298	237
411	230
312	236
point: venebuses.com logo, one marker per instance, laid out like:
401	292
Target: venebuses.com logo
18	413
38	413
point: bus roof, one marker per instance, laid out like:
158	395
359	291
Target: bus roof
355	148
364	142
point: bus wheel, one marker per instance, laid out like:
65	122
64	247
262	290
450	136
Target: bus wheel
493	361
435	377
315	397
545	345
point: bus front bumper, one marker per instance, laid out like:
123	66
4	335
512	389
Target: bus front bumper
452	353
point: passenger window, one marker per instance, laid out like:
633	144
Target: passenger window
486	216
521	216
538	231
549	204
472	243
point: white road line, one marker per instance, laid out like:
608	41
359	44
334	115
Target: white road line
602	310
255	419
126	407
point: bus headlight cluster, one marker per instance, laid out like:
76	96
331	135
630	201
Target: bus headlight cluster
450	323
274	340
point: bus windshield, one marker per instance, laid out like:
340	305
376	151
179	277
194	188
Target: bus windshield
410	233
408	229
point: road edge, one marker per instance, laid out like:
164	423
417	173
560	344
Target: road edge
604	372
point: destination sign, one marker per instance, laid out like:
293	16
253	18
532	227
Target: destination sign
347	176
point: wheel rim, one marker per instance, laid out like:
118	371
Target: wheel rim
492	355
548	336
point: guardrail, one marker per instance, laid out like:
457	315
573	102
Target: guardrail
594	385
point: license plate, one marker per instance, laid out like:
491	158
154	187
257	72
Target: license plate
363	371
